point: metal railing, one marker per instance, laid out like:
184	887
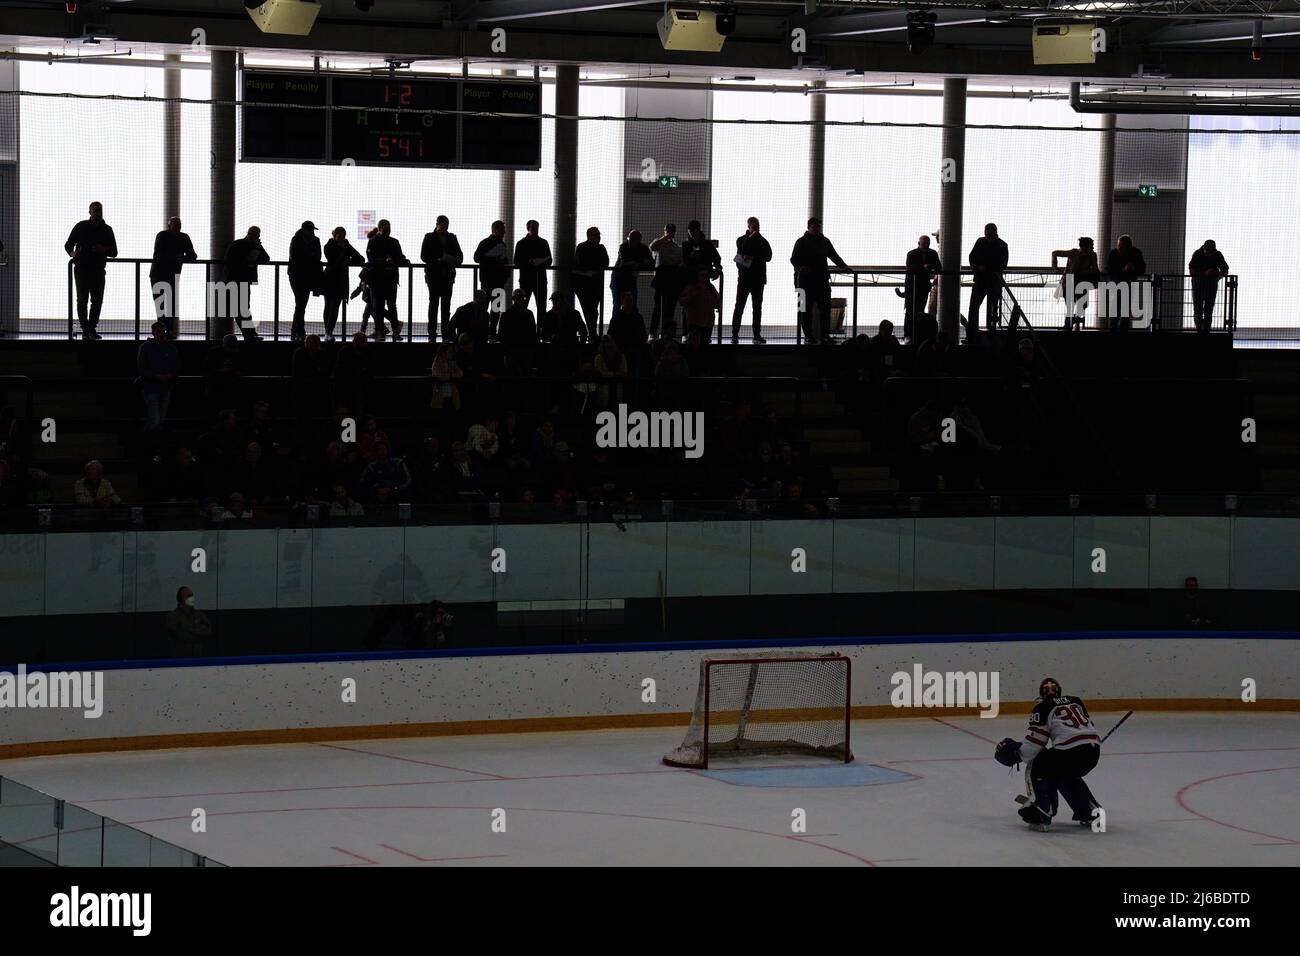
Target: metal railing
867	290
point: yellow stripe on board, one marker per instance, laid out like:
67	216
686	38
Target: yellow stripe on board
237	738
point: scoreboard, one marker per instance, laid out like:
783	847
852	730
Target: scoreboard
390	121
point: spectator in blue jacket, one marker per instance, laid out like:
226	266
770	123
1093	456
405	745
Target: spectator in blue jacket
158	363
385	478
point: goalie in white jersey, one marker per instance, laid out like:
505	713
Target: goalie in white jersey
1061	747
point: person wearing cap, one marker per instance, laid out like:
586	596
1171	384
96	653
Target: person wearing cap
171	249
304	275
242	259
441	254
1206	266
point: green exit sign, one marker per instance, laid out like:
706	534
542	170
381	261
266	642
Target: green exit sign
667	182
1147	191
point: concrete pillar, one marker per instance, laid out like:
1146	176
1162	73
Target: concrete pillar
222	231
508	210
10	180
171	136
566	178
817	153
950	205
1106	185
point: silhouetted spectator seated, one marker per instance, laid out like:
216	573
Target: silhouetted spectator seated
256	476
627	328
385	479
461	475
793	504
341	466
563	324
600	478
447	375
884	355
94	490
973	447
342	504
611	367
309	498
479	385
1193	612
428	482
352	374
786	467
184	481
936	356
264	430
15	440
187	627
429	626
761	474
311	379
223	372
370	438
222	449
237	508
473	320
483	442
672	364
13	489
584	386
926	458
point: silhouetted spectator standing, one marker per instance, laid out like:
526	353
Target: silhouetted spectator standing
988	260
352	375
921	268
1081	268
90	245
634	257
532	259
187	626
813	278
668	278
171	250
242	259
158	363
384	258
493	257
590	260
304	276
441	254
699	254
340	254
1207	266
753	253
1125	264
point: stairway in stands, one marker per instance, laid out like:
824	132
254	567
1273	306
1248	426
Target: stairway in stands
836	444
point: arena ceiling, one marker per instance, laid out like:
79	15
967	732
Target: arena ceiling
1186	39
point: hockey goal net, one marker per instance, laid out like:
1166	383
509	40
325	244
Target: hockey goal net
761	705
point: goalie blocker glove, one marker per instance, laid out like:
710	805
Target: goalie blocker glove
1007	752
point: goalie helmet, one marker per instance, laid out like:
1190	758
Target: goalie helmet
1050	687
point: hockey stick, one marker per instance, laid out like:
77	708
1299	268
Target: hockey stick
1028	795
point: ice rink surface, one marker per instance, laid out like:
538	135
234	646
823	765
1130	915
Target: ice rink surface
1178	789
